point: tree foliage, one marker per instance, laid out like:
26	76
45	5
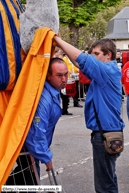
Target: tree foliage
97	30
81	12
23	1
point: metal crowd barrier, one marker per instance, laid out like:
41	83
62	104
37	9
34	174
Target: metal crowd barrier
25	172
81	91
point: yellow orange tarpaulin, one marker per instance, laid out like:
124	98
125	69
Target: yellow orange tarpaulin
20	84
24	100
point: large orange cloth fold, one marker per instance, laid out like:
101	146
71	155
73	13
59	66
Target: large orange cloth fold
24	100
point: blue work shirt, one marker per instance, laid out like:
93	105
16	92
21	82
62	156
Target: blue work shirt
104	90
40	134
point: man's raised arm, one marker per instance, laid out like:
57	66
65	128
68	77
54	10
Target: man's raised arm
69	50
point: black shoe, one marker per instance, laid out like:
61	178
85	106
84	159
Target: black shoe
67	113
78	105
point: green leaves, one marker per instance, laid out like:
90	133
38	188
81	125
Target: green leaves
23	1
91	16
81	12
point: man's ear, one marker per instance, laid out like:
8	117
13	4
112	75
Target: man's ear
48	76
109	55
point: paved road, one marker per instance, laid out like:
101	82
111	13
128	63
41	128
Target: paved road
72	154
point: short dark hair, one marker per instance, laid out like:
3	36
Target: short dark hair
90	50
106	45
118	50
53	60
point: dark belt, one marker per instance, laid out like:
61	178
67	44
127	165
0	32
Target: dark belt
94	132
99	131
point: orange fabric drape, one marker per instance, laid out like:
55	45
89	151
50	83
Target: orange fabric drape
24	100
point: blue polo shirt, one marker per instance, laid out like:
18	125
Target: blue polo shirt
105	91
40	134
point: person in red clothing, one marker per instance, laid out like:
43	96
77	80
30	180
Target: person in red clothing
125	83
83	80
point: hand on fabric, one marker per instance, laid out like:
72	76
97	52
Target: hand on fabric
49	166
58	35
54	42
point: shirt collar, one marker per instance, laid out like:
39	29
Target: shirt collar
54	92
113	62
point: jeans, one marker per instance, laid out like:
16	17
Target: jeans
105	179
128	105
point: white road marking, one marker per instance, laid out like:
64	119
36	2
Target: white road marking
70	117
126	144
61	170
82	161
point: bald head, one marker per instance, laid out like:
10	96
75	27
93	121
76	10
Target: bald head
57	73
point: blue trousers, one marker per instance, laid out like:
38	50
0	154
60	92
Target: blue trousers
105	179
128	105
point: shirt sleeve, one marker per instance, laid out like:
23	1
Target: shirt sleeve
93	68
36	141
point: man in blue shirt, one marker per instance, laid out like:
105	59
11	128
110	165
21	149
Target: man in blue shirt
48	112
105	90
